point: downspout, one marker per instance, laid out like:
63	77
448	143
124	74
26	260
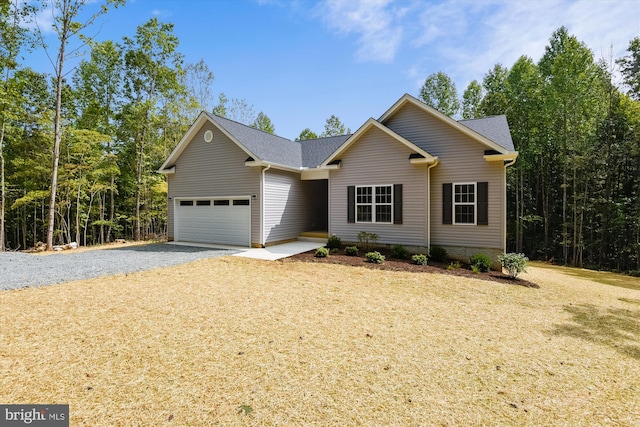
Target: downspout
429	203
262	209
504	208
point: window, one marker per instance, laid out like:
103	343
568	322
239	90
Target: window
464	203
203	202
241	202
186	202
374	204
220	203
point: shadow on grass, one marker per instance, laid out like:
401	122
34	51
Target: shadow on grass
164	248
616	327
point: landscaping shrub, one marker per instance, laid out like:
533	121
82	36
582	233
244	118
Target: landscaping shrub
322	253
334	242
513	263
475	269
367	239
399	252
374	257
351	251
420	259
481	261
438	253
453	265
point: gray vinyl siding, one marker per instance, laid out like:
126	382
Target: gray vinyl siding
286	212
378	159
461	161
214	169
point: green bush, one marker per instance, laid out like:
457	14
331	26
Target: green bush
513	263
438	253
367	239
322	253
374	257
475	269
334	242
351	251
420	259
399	252
481	261
453	265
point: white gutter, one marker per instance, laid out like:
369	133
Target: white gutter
429	202
262	209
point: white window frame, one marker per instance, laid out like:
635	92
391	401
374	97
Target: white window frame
474	204
373	204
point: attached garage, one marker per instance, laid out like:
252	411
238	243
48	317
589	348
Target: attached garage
205	220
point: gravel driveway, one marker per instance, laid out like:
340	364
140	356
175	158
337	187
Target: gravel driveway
19	270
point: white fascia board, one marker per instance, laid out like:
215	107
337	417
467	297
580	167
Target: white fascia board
406	98
195	127
168	171
255	163
362	130
501	157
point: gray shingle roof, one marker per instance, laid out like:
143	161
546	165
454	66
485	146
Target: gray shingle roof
311	153
266	146
316	151
494	128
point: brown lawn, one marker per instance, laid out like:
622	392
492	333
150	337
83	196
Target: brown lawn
232	341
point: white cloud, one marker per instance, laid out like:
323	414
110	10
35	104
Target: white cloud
469	37
376	22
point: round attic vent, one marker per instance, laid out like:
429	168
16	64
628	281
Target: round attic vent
208	136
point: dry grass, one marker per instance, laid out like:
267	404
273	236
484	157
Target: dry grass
233	341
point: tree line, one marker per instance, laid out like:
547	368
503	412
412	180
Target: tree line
80	147
573	194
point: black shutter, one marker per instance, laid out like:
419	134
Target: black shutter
397	203
447	203
483	203
351	203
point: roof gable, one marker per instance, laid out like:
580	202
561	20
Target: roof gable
467	128
369	124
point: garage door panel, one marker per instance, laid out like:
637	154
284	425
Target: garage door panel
223	221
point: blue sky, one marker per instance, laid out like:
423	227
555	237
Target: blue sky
301	61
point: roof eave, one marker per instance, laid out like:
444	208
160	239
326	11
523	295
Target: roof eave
406	98
512	155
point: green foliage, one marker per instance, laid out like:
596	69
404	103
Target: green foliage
438	254
245	409
374	257
630	68
481	261
306	134
263	123
322	253
351	251
514	263
399	252
439	92
471	99
419	259
334	242
334	127
453	265
367	240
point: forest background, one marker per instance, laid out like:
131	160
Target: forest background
80	148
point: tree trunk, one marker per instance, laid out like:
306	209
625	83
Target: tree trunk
57	132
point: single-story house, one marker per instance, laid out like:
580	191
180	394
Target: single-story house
415	177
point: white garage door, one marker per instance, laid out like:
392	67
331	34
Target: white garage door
225	221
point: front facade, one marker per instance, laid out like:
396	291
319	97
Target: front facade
414	177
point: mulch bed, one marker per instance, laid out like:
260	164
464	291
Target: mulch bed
406	265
